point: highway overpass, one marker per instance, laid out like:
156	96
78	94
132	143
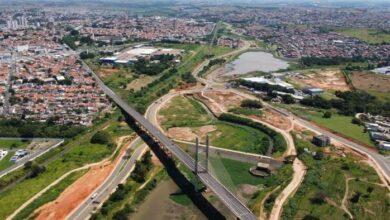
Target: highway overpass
228	198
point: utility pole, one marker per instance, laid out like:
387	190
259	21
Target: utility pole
196	155
207	153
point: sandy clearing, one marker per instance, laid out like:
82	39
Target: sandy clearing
105	71
190	134
371	81
275	119
142	81
324	79
226	99
204	130
181	133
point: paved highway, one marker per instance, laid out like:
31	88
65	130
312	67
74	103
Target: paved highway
118	175
31	157
228	198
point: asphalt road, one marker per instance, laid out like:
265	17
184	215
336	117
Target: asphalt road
228	198
119	175
31	157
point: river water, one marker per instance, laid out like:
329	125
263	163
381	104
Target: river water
254	61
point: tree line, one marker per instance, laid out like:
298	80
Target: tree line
30	129
280	144
350	103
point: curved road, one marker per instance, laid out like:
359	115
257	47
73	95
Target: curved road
228	198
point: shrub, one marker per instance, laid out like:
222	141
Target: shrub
327	114
355	198
101	137
357	121
318	198
288	99
249	103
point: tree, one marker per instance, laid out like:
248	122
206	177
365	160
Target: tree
357	121
188	78
28	165
101	137
139	173
319	155
36	170
327	114
318	198
86	55
288	99
355	198
74	32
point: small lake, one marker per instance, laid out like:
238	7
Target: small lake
255	61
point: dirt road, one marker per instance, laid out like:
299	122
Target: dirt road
299	173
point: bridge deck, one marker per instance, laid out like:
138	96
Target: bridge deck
228	198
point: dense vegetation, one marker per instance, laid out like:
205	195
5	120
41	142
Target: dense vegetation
350	103
102	137
324	187
249	103
263	86
212	63
142	167
87	55
73	36
154	67
29	129
329	61
280	144
188	78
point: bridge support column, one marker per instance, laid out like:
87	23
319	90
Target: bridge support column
196	155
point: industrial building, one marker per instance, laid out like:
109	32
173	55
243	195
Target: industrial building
135	53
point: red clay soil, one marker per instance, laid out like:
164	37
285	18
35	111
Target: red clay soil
75	194
226	99
274	118
81	189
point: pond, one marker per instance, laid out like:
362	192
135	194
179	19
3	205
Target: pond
255	61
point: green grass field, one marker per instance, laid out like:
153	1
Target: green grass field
120	79
338	123
235	171
5	162
184	112
238	137
372	204
368	35
9	144
327	177
342	124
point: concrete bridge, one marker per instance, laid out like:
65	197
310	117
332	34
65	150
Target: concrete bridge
227	197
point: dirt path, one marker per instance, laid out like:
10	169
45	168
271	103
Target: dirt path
344	201
263	215
299	173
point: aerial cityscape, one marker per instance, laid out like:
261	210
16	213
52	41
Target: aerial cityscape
175	109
